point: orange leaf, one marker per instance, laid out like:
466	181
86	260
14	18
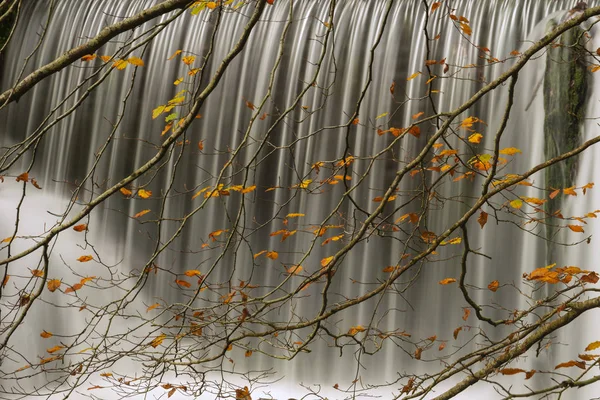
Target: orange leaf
53	284
573	363
80	228
88	57
294	269
144	194
157	340
570	191
576	228
183	283
54	349
511	371
192	272
5	281
554	193
447	281
273	255
46	334
24	177
248	353
435	6
325	262
152	307
85	258
141	213
125	192
456	331
493	286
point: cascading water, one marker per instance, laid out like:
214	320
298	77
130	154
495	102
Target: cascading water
74	145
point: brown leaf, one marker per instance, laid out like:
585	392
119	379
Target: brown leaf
418	353
24	177
456	331
511	371
466	313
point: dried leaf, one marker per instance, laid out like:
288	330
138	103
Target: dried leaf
85	258
493	286
447	281
576	228
80	228
141	213
53	284
483	217
46	334
144	194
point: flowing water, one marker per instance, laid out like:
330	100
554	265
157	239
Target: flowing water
69	150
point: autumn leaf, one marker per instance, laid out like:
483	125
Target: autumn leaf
138	62
466	313
294	215
152	307
53	284
418	353
483	217
447	281
88	57
85	258
120	64
570	191
192	272
593	346
466	28
144	194
510	151
249	189
273	255
456	331
511	371
54	349
188	60
516	203
493	286
325	261
356	329
141	213
183	283
475	138
125	192
576	228
157	111
294	269
80	228
177	52
24	177
413	76
435	6
157	341
46	334
5	281
573	363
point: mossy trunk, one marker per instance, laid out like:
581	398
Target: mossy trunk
565	93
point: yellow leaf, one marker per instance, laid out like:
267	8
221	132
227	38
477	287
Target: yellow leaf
188	60
7	240
53	284
158	340
144	194
570	191
249	189
138	62
466	28
413	76
157	111
516	203
105	58
325	262
593	346
85	258
211	5
510	151
381	115
177	52
475	138
120	64
304	184
447	281
294	215
141	213
273	255
178	81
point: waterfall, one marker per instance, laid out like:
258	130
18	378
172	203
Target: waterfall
314	131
